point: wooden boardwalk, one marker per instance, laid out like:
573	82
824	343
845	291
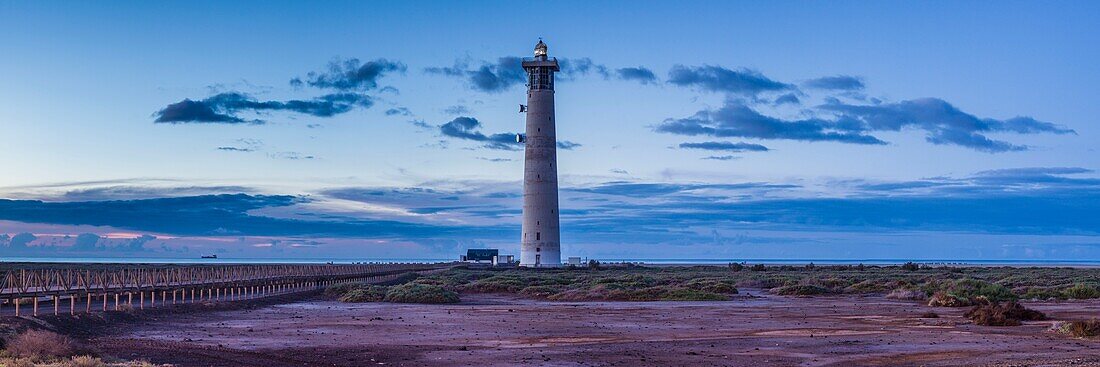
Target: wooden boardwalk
72	288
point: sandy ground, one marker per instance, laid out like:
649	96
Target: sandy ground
755	329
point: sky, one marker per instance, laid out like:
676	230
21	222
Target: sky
687	130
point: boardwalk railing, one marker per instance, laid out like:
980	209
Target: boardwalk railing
181	282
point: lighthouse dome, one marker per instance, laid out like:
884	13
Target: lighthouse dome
540	49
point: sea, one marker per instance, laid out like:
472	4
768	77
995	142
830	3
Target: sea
242	260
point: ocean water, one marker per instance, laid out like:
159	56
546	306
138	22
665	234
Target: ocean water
228	260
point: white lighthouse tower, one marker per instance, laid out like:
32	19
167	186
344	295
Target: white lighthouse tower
541	246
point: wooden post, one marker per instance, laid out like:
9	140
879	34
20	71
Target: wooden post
104	301
17	302
36	306
56	306
141	301
116	301
130	300
72	304
88	309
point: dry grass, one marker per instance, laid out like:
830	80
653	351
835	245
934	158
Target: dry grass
945	299
86	361
1080	328
907	294
42	344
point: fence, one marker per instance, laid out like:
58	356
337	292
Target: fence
183	283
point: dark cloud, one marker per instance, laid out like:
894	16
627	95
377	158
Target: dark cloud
87	242
737	120
466	128
223	107
575	68
944	123
489	77
351	75
138	244
506	72
789	98
718	79
20	241
725	146
208	215
839	82
1033	181
640	74
129	192
719	157
400	111
643	190
196	111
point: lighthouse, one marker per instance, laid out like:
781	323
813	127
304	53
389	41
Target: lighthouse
541	246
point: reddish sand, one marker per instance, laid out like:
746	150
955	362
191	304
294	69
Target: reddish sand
496	330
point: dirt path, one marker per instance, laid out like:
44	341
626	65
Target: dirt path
494	330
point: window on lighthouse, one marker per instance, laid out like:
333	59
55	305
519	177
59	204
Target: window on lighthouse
538	236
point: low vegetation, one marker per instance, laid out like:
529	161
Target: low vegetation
939	286
408	292
1002	314
420	293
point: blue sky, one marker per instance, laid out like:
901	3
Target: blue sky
690	130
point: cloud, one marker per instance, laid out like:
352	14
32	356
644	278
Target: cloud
466	128
743	82
456	110
619	171
223	108
568	145
294	156
737	120
839	82
236	149
725	146
495	159
943	123
640	74
243	145
351	75
719	157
